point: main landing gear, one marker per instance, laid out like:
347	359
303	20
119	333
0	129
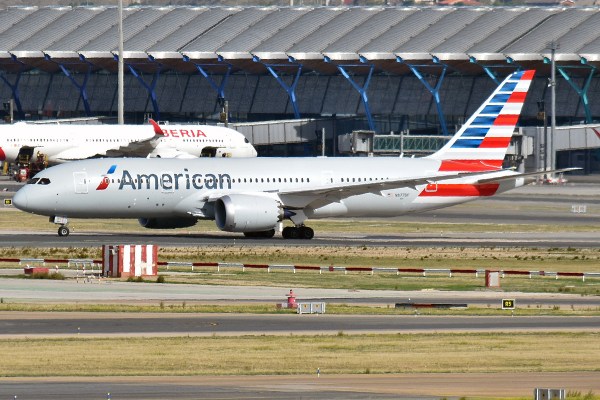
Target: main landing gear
63	230
298	232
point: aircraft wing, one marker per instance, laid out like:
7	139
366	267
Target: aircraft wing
138	148
332	193
135	148
78	153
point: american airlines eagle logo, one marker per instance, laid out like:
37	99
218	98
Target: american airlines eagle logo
105	179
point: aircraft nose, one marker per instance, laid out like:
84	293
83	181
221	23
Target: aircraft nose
19	200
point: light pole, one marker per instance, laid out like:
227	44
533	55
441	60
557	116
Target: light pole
550	149
544	117
120	77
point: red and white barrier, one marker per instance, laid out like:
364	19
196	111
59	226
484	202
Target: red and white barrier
125	260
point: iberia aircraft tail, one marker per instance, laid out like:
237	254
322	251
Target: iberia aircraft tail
481	143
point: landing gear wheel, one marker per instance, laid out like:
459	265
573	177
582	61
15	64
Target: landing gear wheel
290	232
268	234
306	233
297	232
286	232
63	231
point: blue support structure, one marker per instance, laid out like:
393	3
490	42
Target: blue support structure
489	69
434	90
14	87
290	89
83	87
219	88
583	91
151	87
362	90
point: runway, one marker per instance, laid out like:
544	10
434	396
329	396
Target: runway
306	387
33	325
546	239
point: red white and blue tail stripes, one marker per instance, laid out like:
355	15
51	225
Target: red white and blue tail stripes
481	143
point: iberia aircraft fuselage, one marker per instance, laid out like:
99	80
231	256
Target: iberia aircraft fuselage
60	143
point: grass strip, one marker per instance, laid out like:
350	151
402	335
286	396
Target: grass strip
272	355
515	258
336	309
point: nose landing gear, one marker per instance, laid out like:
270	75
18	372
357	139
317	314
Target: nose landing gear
63	229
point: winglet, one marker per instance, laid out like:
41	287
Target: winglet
157	129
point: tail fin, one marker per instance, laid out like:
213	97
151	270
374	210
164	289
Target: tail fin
481	143
157	129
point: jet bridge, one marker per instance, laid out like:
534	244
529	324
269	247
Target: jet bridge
404	144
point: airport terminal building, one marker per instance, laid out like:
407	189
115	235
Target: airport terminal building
409	70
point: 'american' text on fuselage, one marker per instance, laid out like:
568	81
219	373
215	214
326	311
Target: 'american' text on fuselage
174	181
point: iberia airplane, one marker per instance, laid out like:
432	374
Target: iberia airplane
256	195
58	143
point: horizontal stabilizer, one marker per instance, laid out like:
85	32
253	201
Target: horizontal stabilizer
524	175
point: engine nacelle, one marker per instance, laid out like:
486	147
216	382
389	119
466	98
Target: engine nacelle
167	222
246	213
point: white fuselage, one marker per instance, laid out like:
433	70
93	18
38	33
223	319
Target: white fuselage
66	142
138	188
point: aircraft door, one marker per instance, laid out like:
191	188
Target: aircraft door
81	182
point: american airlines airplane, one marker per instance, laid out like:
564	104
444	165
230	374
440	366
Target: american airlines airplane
58	143
254	196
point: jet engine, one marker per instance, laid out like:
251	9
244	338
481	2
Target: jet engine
167	222
247	213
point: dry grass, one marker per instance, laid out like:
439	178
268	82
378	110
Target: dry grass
517	258
249	355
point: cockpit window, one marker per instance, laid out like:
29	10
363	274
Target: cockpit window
44	181
246	140
33	181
